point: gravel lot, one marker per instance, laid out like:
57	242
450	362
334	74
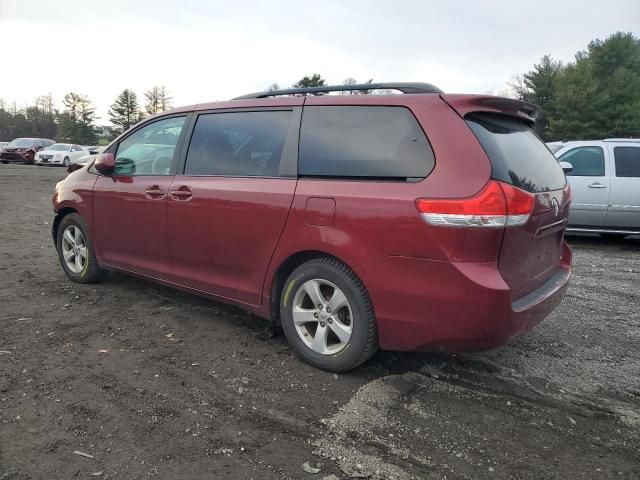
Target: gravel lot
150	382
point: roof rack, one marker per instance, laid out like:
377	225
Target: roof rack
404	87
633	140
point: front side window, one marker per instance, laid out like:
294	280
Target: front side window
627	161
246	144
149	150
586	161
363	142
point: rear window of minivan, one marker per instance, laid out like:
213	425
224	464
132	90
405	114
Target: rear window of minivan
517	154
363	142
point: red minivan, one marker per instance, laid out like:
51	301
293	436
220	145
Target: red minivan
414	221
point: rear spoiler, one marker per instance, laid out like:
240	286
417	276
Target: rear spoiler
464	104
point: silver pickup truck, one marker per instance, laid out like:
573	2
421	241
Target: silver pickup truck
605	181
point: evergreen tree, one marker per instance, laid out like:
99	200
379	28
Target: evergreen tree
314	80
596	96
539	86
125	111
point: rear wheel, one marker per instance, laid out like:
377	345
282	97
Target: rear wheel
327	315
75	250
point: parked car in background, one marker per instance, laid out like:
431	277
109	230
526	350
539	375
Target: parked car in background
85	159
3	144
405	222
555	146
605	183
23	150
60	154
95	149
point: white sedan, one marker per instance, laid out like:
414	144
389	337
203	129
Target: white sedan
60	154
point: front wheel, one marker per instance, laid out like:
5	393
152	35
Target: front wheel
327	315
75	250
65	162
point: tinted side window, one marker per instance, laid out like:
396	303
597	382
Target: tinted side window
245	144
149	150
586	161
517	154
627	161
374	142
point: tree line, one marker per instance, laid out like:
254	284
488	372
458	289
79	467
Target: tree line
75	123
597	95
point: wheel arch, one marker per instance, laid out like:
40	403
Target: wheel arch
283	271
63	212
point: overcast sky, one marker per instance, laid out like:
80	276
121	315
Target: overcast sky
204	50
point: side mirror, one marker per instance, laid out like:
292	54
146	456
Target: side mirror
566	167
105	163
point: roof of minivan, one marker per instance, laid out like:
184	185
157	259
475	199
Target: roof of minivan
462	103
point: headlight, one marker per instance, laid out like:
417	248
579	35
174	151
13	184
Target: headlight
58	156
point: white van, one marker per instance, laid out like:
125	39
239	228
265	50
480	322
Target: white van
605	182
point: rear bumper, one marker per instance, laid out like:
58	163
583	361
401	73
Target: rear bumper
455	307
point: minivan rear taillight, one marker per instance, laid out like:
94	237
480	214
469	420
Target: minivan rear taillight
498	204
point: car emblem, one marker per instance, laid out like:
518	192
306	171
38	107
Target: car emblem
556	207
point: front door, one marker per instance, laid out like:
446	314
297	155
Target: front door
130	205
590	185
227	211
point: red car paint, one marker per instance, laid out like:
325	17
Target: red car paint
432	287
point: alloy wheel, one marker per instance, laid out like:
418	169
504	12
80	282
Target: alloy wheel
322	316
74	249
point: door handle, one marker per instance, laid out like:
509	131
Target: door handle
597	185
154	192
182	193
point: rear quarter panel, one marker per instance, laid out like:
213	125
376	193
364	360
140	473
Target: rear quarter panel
375	219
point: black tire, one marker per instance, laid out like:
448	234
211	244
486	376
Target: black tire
91	271
65	162
363	342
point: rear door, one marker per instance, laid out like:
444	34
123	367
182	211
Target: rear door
624	203
590	184
228	208
531	252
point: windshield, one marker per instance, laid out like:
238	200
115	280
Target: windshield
22	142
554	147
61	147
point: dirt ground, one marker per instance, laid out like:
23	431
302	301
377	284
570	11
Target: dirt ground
149	382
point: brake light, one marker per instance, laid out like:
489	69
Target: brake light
498	204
